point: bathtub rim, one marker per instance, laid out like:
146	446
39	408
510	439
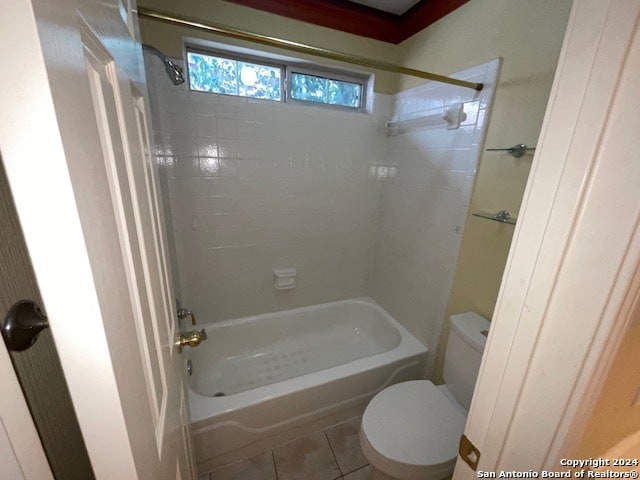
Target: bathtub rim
318	306
206	407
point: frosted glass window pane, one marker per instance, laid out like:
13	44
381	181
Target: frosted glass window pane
312	88
259	81
346	94
212	74
308	88
232	77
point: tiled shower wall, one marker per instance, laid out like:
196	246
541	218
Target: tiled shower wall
425	201
257	185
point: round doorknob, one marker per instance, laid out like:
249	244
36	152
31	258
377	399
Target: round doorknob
22	324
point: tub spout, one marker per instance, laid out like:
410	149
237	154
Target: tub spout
193	339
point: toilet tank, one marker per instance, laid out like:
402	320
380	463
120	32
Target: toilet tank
467	338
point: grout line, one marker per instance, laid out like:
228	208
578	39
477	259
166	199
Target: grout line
335	459
275	465
358	469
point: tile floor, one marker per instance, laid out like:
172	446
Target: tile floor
332	454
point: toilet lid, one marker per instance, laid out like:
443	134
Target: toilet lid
413	423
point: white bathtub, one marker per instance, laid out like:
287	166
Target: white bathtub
287	373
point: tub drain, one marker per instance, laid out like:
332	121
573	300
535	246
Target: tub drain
219	394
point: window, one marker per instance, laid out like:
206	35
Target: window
310	87
227	74
208	73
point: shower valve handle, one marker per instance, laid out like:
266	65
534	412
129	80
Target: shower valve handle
184	313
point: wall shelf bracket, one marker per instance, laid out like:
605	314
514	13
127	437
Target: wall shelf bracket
502	216
516	151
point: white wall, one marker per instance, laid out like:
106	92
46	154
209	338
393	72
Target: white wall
256	185
528	35
425	202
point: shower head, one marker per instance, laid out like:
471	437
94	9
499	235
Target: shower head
173	71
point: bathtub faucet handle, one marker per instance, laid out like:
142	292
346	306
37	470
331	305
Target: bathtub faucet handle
192	339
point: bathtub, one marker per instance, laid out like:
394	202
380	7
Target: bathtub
260	381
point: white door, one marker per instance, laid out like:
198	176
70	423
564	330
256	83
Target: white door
574	265
75	143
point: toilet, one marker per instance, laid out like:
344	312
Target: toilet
411	430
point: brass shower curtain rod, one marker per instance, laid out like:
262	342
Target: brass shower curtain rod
227	31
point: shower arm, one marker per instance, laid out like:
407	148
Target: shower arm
231	32
174	71
155	51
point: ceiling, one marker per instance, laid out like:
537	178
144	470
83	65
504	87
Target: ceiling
389	21
397	7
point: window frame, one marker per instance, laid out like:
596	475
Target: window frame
287	68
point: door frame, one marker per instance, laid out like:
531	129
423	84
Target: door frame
573	267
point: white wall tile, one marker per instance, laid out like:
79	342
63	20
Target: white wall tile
206	126
255	185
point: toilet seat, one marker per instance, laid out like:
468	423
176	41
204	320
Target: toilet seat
411	430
